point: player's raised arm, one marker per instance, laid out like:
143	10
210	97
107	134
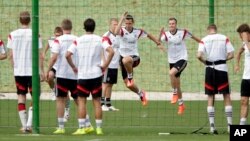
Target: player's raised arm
118	28
157	42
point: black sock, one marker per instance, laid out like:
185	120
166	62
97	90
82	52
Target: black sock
102	101
108	102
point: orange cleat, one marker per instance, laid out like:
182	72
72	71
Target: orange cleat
181	109
144	98
174	99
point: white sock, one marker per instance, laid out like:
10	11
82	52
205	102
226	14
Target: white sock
81	122
98	123
61	122
87	121
130	75
23	118
243	121
210	111
180	101
229	114
30	115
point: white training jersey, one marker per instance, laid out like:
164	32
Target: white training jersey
60	47
89	49
246	73
216	47
109	39
2	49
51	42
128	41
20	41
177	49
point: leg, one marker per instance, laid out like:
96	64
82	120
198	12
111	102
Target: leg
228	109
211	113
244	110
128	65
22	110
98	115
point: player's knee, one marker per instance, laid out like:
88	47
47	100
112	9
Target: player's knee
127	60
244	102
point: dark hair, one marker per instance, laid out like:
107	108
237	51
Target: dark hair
89	25
243	28
212	26
24	17
173	19
66	24
58	30
129	17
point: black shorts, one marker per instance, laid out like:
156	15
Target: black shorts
136	62
64	85
86	87
110	76
179	65
245	87
216	82
23	83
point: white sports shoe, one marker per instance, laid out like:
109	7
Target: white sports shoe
66	115
112	108
105	108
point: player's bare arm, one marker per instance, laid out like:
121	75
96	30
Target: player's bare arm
200	57
41	63
107	61
118	28
157	42
11	58
238	56
230	55
69	59
3	56
198	40
51	63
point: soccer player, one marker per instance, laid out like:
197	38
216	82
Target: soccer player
244	32
214	51
57	32
128	50
89	49
66	79
20	45
177	57
110	74
3	54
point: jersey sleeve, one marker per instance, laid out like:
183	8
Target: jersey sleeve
2	49
142	34
9	43
201	47
186	34
229	46
72	47
164	37
56	46
106	42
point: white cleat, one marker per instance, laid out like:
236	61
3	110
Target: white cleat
112	108
105	108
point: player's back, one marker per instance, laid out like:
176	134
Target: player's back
61	44
89	49
20	41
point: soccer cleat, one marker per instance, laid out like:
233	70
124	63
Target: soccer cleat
174	99
66	115
214	132
89	129
130	82
105	108
181	109
59	131
80	131
112	108
99	131
26	130
144	98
